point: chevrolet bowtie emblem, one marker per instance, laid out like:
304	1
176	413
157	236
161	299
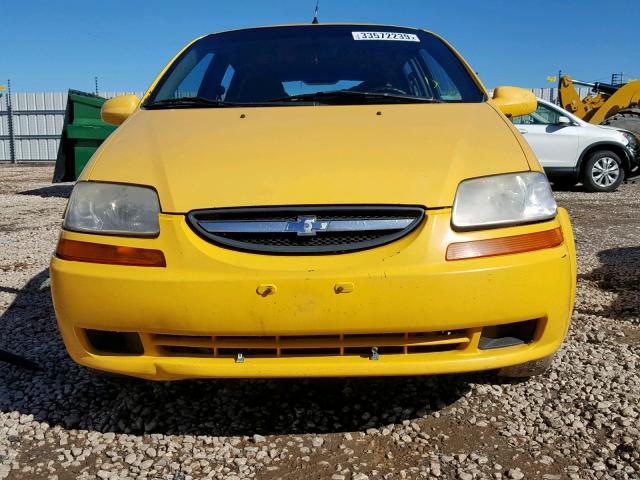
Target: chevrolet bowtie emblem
307	225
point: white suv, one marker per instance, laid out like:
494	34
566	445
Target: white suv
572	150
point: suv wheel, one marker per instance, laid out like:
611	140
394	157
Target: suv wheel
602	172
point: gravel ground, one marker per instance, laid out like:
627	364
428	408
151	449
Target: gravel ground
580	421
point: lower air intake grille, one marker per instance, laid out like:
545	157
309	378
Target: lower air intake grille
305	230
206	346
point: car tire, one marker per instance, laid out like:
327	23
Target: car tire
602	172
528	369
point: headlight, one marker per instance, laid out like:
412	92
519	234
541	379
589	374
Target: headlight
113	209
501	200
632	142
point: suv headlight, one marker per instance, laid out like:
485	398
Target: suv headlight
113	209
632	141
503	200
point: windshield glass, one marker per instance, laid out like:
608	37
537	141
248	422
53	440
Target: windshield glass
287	64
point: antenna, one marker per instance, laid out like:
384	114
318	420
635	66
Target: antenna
315	16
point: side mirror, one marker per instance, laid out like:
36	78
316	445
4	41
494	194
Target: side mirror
564	121
118	109
514	101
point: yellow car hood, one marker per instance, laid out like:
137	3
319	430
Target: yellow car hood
374	154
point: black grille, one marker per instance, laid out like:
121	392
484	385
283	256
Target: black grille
372	226
317	241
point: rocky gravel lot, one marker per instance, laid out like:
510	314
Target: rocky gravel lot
581	421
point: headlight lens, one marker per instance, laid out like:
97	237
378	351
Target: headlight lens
113	209
631	139
501	200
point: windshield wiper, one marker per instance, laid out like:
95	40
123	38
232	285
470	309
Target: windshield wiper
202	102
337	96
189	102
345	96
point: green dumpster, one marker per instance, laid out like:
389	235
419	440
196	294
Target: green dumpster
82	134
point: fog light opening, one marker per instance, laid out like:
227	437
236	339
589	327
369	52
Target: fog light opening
507	335
114	343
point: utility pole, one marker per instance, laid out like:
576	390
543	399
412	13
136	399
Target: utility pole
557	99
12	137
96	82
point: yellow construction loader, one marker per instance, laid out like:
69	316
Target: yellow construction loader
614	105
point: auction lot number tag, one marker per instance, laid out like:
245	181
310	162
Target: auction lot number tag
401	37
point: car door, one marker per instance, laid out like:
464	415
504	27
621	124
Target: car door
555	144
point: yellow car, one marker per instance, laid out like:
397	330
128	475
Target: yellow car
314	200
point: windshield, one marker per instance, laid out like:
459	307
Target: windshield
292	65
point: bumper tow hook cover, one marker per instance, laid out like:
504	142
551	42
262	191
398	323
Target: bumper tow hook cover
266	289
343	287
374	354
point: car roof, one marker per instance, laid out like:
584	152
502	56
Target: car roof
556	106
562	109
547	102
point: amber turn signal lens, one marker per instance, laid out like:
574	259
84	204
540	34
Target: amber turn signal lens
505	245
110	254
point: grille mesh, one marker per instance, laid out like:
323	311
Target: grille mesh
294	241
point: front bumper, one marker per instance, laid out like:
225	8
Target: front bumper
632	153
398	289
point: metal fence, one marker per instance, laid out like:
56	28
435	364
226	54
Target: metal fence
31	131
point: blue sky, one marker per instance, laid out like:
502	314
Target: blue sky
53	46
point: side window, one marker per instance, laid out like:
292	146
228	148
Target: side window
521	120
542	116
546	115
440	80
190	85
